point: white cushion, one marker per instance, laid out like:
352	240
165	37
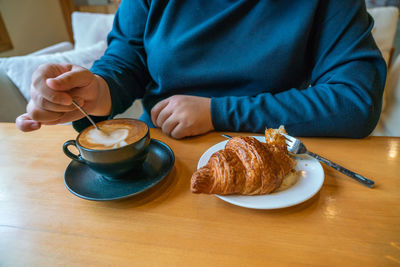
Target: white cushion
90	28
20	69
384	30
60	47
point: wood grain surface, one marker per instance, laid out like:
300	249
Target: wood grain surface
345	224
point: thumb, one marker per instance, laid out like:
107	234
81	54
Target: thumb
75	78
26	124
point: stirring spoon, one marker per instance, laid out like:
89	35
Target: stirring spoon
85	113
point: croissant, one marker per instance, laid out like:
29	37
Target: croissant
245	166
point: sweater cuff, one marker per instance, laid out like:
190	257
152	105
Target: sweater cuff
219	115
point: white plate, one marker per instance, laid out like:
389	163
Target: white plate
309	183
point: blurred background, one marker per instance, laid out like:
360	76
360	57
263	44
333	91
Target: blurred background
32	25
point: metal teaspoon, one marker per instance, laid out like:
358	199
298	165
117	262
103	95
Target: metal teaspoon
84	113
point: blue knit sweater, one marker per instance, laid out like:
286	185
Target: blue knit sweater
310	65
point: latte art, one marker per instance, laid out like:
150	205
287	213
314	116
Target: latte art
114	139
113	134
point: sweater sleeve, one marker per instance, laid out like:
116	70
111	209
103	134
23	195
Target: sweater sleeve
346	83
123	64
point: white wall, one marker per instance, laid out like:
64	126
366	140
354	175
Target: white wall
32	24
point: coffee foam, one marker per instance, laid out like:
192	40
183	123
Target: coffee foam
113	139
113	134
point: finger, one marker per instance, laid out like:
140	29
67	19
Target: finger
44	104
169	125
77	77
67	117
163	116
83	93
53	69
40	87
155	111
179	132
26	124
41	115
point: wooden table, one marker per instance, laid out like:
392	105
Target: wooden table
346	223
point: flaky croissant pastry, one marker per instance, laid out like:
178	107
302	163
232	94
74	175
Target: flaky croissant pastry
246	166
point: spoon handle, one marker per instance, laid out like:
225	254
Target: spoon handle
84	113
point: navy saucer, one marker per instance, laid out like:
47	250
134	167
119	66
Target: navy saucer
85	183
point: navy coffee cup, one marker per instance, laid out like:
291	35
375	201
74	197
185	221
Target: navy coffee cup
113	162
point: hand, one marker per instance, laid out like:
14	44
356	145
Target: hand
52	90
183	115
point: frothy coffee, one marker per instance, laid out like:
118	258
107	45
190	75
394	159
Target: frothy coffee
113	134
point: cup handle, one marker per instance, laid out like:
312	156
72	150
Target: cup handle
69	153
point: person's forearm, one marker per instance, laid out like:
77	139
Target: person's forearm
122	68
339	107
